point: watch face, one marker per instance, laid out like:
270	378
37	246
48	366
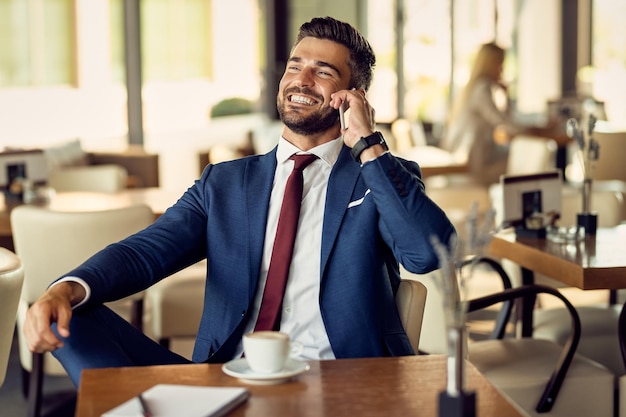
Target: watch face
380	140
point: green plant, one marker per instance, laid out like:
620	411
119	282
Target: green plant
232	106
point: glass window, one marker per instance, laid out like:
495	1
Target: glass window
607	76
427	60
37	43
175	39
193	57
381	35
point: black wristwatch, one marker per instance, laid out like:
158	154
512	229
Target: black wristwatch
375	138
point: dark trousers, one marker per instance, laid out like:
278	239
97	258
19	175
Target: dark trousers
99	338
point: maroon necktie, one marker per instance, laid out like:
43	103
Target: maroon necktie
269	314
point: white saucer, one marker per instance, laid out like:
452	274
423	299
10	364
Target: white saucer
239	369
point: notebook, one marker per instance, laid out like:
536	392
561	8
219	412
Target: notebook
166	400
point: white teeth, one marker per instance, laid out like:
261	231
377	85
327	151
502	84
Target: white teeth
303	100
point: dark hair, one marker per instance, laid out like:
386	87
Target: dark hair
362	58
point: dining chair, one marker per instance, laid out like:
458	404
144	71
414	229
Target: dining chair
175	305
433	339
530	154
411	301
610	164
455	202
51	243
487	278
11	279
107	178
541	376
407	134
617	186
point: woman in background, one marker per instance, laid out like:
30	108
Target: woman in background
477	128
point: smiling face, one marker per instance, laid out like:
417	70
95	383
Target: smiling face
316	69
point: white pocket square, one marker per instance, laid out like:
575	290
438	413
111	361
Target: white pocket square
360	200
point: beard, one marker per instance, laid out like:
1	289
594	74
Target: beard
312	123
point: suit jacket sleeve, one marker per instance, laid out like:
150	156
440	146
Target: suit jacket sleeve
408	217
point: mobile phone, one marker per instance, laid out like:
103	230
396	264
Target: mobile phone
342	120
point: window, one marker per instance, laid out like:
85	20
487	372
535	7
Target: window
607	75
193	56
175	36
381	35
37	43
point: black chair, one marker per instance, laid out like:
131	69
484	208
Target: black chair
534	372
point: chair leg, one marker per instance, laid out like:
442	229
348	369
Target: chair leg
35	385
136	315
165	342
25	382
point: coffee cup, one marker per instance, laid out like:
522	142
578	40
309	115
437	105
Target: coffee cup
267	352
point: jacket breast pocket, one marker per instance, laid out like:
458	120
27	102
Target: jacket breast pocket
359	201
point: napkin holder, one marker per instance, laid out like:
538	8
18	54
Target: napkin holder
461	405
531	203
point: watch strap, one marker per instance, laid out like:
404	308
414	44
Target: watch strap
365	142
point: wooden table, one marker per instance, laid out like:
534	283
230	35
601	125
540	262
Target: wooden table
402	386
158	199
597	262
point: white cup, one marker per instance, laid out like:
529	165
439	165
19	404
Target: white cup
267	351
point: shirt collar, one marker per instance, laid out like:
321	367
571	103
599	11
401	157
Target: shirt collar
328	152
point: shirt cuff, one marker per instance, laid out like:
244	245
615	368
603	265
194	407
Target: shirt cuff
78	281
375	158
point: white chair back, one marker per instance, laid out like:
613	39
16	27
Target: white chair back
51	243
407	134
610	164
11	279
176	305
434	339
531	154
107	178
411	301
607	204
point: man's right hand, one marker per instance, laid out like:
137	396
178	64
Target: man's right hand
54	306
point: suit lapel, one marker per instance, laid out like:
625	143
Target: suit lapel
340	185
258	188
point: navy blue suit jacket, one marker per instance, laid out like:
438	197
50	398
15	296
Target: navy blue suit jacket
376	215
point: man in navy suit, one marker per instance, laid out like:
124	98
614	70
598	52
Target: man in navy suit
363	212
